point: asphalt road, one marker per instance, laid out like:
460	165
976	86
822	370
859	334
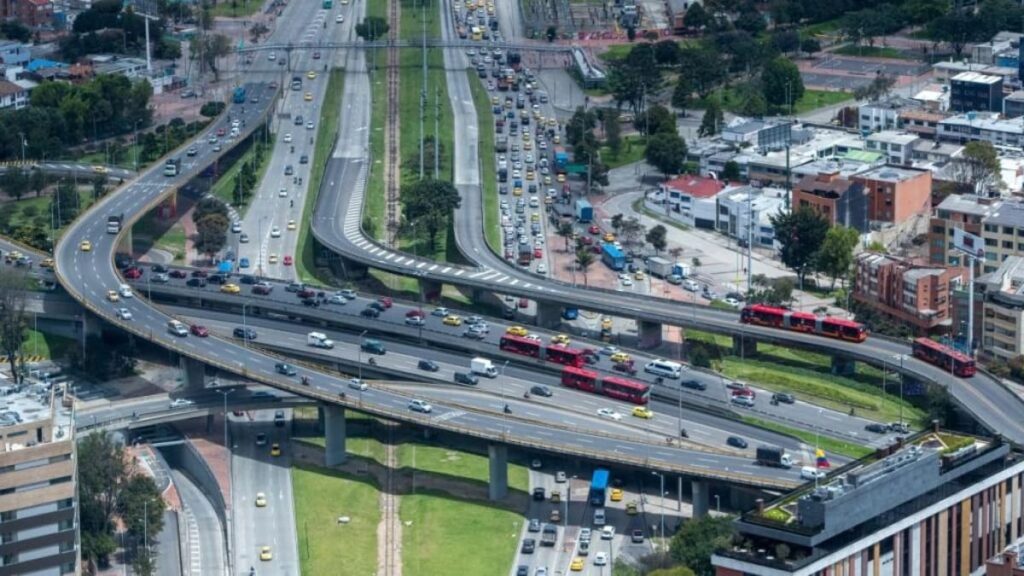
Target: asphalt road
255	471
206	537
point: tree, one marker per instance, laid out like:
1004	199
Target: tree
212	232
13	319
800	232
878	88
99	187
681	94
666	52
257	31
696	17
786	41
616	222
666	152
698	539
635	76
372	28
141	507
781	82
657	237
677	571
751	21
631	33
101	464
210	47
656	120
632	231
579	125
15	182
810	46
584	258
429	204
612	131
773	292
14	30
958	29
713	120
702	68
731	171
551	33
835	257
976	169
37	181
566	230
65	203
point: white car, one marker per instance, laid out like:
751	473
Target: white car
282	193
288	138
608	350
124	314
309	125
275	232
337	299
732	302
347	293
440	311
627	281
357	384
584	535
181	403
600	559
125	291
420	406
609	413
542	268
339	18
608	532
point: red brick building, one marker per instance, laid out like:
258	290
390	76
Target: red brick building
919	296
896	193
840	200
33	13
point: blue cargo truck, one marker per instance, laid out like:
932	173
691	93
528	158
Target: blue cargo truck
598	487
613	257
239	96
584	211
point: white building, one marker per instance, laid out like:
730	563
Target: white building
896	146
745	212
986	127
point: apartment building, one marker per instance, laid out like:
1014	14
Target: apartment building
965	212
985	127
883	114
973	91
12	95
896	193
693	199
896	147
1003	232
922	122
931	504
840	200
38	512
745	212
916	295
1002	316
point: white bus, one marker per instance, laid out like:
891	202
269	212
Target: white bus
664	368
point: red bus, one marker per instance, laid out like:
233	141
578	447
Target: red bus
611	386
944	357
563	355
520	345
830	326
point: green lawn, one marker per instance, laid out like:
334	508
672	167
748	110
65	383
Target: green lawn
826	28
151	232
616	52
873	52
235	8
373	201
224	187
325	546
492	230
442	460
327	132
46	345
633	148
829	445
31	210
362	434
443	536
814	99
100	158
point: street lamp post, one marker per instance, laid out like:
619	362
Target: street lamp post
360	362
245	328
227	448
718	503
662	504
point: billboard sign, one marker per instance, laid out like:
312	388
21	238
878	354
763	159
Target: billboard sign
968	243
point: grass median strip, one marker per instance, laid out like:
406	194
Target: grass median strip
488	176
327	133
327	546
456	463
829	445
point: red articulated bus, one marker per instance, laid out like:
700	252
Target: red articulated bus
566	356
944	357
520	345
611	386
829	326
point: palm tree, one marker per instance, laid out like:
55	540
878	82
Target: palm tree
584	258
565	230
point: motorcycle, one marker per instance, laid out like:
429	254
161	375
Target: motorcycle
659	380
293	150
372	362
507	409
305	381
683	434
526	395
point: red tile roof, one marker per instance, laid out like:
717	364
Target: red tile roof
696	186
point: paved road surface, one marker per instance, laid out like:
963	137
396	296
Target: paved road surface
209	534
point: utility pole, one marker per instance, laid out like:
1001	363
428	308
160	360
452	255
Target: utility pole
437	142
423	90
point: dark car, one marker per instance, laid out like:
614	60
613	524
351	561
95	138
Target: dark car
247	279
263	289
158	268
377	306
217	279
736	442
465	378
534	525
369	312
539	494
522	570
304	159
311	302
196	282
286	369
877	428
541	390
693	385
246	333
200	273
177	274
306	293
529	545
428	365
783	397
637	536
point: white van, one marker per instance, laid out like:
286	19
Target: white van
811	473
599	517
177	328
665	368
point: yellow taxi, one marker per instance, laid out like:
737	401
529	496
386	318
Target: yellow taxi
639	275
311	75
552	122
561	177
516	331
557	139
291	224
46	263
631	509
272	259
530	175
85	246
113	296
261	500
230	289
616	495
535	217
560	339
526	136
517	191
265	554
275	449
608	237
527	145
620	358
100	169
606	323
577	564
308	97
452	320
643	412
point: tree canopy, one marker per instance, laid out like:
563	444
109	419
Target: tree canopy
782	82
666	152
800	233
697	540
428	204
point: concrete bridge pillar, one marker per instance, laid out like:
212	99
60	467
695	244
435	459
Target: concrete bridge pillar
744	346
334	434
649	334
548	315
193	373
843	366
699	489
430	290
497	455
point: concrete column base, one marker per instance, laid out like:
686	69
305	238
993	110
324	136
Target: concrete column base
548	315
843	366
742	346
193	372
497	488
334	434
430	291
649	334
699	489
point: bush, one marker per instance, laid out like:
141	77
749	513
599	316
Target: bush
211	109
